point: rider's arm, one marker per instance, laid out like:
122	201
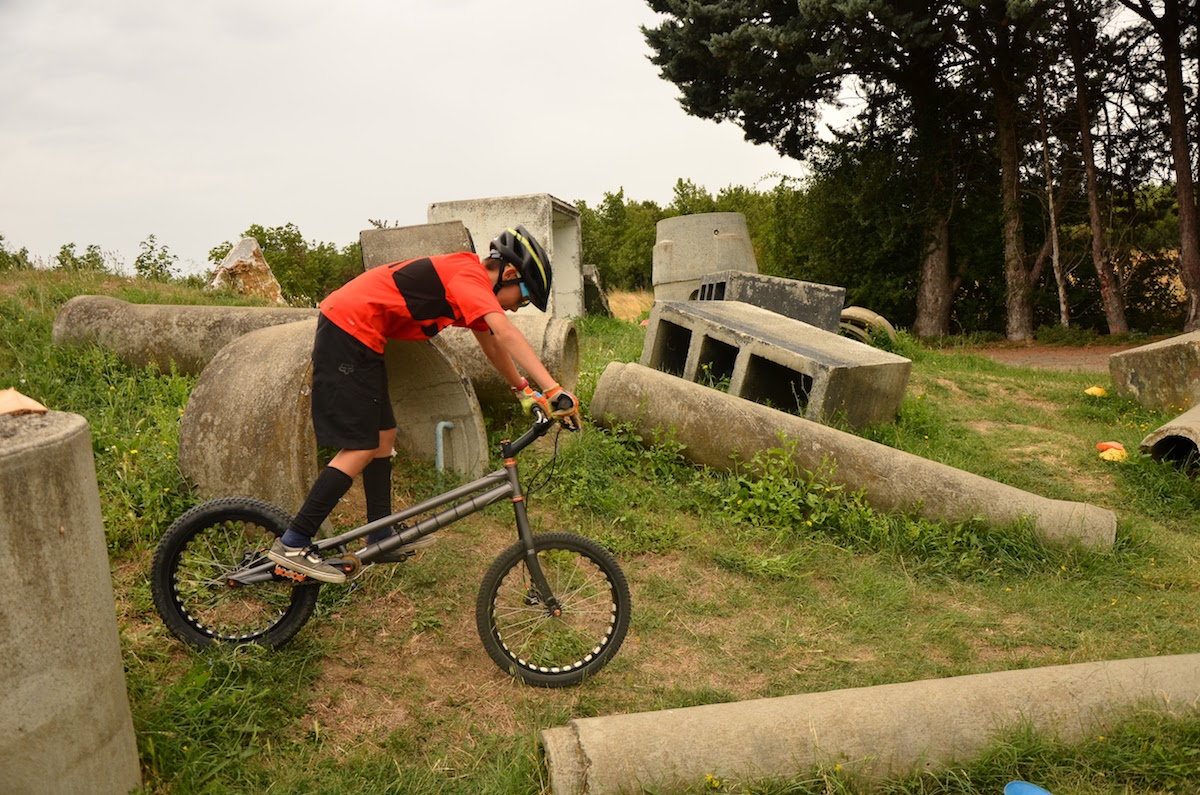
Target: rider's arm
506	345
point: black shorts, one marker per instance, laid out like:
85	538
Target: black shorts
350	401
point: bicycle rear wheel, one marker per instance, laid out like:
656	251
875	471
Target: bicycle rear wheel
526	638
190	576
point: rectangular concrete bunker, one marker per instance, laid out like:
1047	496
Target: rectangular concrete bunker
817	304
776	360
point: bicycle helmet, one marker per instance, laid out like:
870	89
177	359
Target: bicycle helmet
518	248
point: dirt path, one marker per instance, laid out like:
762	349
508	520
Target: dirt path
1080	359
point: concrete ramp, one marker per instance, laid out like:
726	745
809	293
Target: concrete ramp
718	430
1163	374
247	428
872	732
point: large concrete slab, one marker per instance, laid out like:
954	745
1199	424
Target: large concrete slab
776	360
402	243
872	732
555	224
1163	374
818	305
688	246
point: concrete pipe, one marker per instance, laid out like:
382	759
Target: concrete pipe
1177	442
65	723
872	732
247	428
553	338
145	334
891	479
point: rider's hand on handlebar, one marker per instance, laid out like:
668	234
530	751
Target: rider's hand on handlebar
564	407
528	397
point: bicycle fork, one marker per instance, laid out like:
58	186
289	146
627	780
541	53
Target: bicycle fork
541	585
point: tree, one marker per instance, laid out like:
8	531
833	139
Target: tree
306	272
771	66
1170	25
93	260
13	260
155	262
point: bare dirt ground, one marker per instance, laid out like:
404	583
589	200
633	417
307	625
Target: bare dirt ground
1079	359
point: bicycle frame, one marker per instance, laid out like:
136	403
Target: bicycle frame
487	490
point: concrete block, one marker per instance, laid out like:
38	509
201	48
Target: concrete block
688	246
1163	374
402	243
247	428
65	723
818	305
1178	441
776	360
724	431
555	224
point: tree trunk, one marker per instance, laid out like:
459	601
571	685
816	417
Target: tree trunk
1189	224
935	291
1110	289
1018	284
1064	308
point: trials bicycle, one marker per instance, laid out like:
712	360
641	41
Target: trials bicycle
552	610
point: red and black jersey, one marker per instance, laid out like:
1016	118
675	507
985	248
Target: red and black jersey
413	300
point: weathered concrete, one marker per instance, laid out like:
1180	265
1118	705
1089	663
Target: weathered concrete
553	222
818	305
399	244
190	336
872	732
1163	374
245	271
767	357
554	339
247	428
1178	441
65	723
152	334
720	431
688	246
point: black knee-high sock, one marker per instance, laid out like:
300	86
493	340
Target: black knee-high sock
332	484
377	486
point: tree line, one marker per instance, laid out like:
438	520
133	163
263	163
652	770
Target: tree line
1028	146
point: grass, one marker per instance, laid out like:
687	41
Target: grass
742	588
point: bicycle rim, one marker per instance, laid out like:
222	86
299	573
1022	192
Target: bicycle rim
192	569
528	638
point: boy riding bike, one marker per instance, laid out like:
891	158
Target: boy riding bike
411	300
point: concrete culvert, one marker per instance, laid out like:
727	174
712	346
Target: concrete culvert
872	732
247	429
1177	442
144	334
718	430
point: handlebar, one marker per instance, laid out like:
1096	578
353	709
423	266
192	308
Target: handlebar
541	426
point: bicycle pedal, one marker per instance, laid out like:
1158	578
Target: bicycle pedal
280	571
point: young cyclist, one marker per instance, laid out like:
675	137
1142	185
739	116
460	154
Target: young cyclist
411	300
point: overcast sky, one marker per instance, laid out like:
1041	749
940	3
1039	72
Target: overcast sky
193	120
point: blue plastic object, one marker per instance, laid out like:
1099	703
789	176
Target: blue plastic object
1023	788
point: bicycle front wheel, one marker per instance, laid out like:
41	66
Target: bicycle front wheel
538	643
190	576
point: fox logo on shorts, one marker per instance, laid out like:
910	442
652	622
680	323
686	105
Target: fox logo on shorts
345	368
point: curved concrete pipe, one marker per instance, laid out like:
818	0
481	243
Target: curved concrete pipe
145	334
553	338
713	425
247	428
873	732
190	336
1178	441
